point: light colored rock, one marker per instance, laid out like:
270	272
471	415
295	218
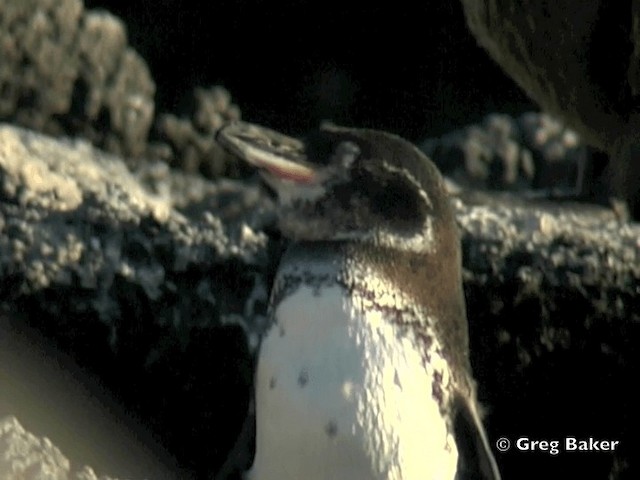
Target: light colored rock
27	457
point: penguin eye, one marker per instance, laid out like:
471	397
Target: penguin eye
396	199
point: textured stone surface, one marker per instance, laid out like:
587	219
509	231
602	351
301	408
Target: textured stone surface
578	61
587	75
189	143
158	281
533	151
553	308
149	290
65	70
27	457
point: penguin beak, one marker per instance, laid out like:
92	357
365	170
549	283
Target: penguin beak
277	156
283	169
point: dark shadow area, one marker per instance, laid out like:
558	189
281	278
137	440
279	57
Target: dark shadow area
411	68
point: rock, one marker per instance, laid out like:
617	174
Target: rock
552	299
27	457
55	398
67	71
153	292
532	152
591	80
189	143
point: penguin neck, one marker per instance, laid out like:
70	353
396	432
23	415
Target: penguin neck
425	282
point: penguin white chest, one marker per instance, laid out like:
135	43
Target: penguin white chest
342	392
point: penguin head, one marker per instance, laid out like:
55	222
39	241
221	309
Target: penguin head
348	184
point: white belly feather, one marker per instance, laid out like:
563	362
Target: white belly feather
340	394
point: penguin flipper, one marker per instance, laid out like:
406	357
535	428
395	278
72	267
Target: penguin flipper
475	460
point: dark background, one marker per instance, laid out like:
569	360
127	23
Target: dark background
404	66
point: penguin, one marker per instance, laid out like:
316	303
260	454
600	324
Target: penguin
364	372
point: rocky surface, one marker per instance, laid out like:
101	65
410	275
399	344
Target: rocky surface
66	70
591	80
532	152
149	290
188	142
26	456
552	298
157	281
